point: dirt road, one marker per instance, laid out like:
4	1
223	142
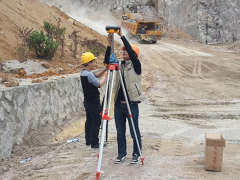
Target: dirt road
190	89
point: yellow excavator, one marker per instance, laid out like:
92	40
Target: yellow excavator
144	28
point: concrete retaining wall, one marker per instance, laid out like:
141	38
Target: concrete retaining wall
32	106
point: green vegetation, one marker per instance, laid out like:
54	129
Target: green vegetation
43	46
54	31
46	44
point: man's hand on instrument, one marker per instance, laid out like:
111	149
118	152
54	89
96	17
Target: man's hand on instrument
120	32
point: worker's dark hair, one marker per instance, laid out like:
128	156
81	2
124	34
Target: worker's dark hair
86	64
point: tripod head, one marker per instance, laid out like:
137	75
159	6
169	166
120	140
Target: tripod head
112	30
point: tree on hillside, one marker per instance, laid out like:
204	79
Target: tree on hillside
75	42
46	44
53	31
43	46
56	33
23	34
60	35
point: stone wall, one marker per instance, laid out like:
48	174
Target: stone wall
32	106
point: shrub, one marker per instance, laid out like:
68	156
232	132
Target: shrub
43	45
54	31
46	44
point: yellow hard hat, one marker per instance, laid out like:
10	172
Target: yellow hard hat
87	57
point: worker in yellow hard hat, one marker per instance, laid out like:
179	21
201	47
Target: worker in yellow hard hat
131	72
90	84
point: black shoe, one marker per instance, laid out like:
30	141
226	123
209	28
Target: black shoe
120	159
95	145
135	159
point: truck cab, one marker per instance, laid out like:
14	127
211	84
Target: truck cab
144	30
148	31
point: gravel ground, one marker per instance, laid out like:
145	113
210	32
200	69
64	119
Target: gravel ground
181	105
173	148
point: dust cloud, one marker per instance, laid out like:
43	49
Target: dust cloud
96	20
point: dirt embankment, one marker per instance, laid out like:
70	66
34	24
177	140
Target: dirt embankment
31	14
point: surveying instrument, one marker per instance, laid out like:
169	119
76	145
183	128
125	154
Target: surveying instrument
113	66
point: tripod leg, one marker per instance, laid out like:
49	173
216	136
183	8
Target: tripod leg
105	118
130	115
106	93
101	149
109	101
107	132
102	129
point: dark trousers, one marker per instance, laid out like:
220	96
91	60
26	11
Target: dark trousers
121	114
93	122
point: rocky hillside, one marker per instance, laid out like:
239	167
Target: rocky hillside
208	21
31	14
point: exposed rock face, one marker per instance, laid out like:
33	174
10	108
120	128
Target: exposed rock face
208	21
141	6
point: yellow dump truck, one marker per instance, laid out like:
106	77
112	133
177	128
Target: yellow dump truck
144	29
